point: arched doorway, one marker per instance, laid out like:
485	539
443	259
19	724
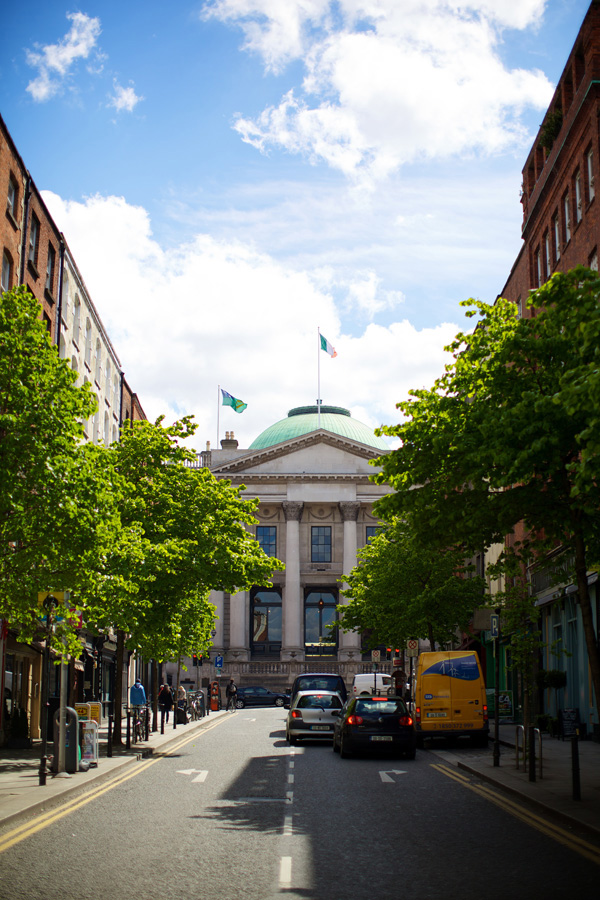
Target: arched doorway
265	623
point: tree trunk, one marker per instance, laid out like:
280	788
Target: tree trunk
587	616
154	695
117	740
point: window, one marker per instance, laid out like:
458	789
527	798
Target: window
64	304
537	262
567	214
76	319
98	362
556	236
371	531
50	267
115	399
106	429
593	260
88	343
320	622
107	380
6	281
12	197
589	162
266	535
547	255
320	543
34	241
578	198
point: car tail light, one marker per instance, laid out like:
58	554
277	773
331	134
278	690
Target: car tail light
405	720
296	714
485	713
354	720
418	714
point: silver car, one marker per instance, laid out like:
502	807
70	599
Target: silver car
311	715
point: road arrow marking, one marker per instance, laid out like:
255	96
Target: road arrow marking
201	776
385	776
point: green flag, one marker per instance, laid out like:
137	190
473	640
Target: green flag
236	404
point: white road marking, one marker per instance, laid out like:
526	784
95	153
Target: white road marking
285	871
201	776
290	796
385	777
290	779
287	826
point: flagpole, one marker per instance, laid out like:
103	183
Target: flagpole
319	377
218	413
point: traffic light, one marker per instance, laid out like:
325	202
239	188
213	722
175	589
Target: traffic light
396	653
197	660
321	604
388	652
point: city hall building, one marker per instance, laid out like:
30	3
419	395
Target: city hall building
310	472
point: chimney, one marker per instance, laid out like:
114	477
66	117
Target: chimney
229	442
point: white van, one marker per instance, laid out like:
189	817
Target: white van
372	683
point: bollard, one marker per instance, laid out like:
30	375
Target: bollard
531	753
575	767
110	731
128	736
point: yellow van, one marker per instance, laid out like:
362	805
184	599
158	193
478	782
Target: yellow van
449	696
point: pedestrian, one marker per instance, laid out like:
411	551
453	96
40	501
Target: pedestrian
165	702
231	694
137	694
181	694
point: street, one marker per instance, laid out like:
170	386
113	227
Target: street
234	811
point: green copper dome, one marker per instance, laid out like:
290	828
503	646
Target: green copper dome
304	419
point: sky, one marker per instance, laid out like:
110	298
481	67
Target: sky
233	175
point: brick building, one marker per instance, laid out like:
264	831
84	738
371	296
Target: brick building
561	229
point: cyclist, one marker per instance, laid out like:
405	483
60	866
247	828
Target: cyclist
231	694
137	702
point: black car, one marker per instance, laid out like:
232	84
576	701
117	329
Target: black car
318	681
374	724
258	696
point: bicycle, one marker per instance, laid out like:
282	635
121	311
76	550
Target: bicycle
231	703
138	724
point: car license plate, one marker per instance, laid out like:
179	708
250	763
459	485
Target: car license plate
381	737
321	728
436	715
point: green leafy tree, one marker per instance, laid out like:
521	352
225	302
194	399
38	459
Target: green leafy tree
403	588
58	498
189	535
511	434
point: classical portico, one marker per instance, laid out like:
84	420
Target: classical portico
315	512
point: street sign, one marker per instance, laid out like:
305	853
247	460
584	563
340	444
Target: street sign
494	625
375	655
218	662
412	647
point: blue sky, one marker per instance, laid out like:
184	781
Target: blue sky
233	174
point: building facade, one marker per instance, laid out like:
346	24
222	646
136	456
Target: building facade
311	474
561	229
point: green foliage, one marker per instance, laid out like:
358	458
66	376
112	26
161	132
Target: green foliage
58	501
187	535
510	433
403	588
551	128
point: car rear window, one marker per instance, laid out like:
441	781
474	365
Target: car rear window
318	683
319	701
378	706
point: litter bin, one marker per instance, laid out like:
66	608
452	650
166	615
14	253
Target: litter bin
71	741
215	696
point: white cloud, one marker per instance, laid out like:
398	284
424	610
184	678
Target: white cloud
388	83
212	312
55	62
124	98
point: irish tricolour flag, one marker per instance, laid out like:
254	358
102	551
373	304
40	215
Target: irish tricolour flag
326	346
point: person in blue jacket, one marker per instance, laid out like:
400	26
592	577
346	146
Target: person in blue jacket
137	694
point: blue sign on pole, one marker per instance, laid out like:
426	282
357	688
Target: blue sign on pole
494	625
218	662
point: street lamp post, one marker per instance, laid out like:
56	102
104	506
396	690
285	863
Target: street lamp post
49	604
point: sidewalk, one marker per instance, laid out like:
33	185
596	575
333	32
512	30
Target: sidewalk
21	793
552	792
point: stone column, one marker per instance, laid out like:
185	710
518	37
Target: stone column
293	608
239	645
349	646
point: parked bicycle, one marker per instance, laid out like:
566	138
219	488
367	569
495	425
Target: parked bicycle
139	723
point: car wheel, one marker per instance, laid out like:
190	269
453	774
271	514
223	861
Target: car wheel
279	701
239	704
344	752
411	754
290	738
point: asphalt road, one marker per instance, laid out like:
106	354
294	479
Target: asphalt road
235	812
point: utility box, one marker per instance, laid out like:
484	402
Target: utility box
71	741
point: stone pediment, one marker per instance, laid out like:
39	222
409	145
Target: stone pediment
315	454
